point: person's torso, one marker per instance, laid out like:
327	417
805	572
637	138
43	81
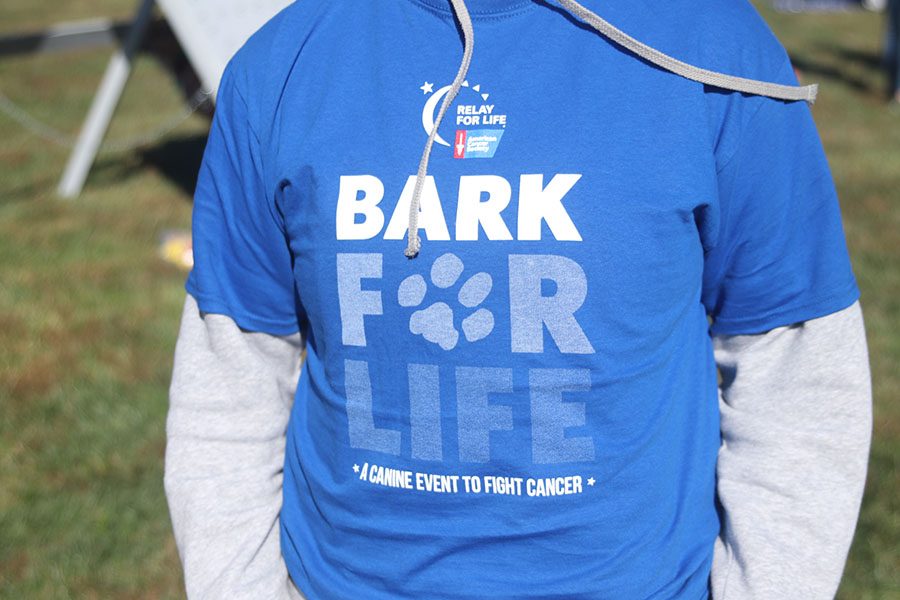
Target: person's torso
528	409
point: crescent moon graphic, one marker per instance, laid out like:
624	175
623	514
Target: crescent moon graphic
428	113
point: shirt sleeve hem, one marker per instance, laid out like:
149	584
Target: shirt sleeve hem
246	321
820	307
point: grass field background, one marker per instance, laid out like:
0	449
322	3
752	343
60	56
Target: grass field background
89	312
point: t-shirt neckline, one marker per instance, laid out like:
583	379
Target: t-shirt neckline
480	8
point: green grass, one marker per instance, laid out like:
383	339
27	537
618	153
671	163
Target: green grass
89	313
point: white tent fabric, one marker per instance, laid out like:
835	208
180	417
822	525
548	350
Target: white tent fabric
211	31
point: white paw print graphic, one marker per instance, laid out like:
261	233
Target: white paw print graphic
435	323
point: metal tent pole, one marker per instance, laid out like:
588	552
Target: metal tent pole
104	105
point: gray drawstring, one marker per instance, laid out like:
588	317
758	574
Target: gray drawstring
713	78
462	13
660	59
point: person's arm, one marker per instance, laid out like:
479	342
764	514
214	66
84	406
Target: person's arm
230	400
796	420
788	338
236	361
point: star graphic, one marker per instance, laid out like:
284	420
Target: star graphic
591	481
427	88
356	468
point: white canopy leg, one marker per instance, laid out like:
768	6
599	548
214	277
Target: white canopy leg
104	105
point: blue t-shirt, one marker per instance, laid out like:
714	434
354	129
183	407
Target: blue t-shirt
529	409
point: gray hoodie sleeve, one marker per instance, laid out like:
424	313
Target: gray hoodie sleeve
796	420
229	404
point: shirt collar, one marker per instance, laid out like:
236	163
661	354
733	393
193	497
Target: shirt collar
480	8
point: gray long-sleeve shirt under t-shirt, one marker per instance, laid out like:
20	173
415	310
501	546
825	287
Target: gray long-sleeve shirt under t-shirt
796	422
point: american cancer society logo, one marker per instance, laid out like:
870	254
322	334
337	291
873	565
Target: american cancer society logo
479	127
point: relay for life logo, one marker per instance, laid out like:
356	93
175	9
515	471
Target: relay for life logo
479	127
